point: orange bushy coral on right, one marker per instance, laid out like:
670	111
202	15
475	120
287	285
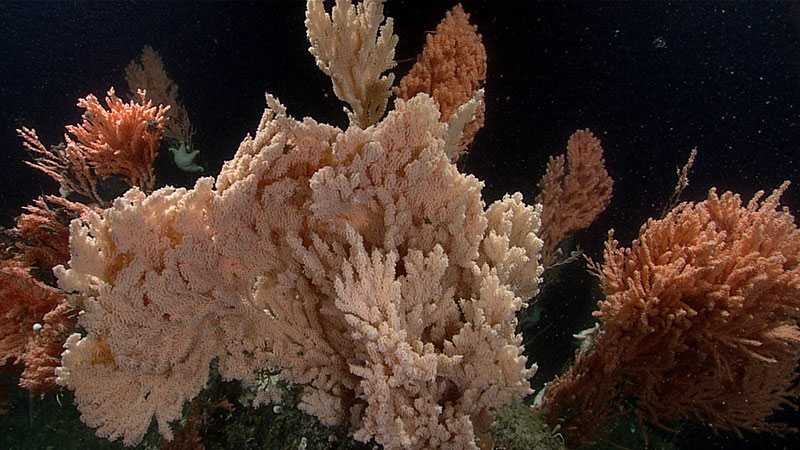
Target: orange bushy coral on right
699	321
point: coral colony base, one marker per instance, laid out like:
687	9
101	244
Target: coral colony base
358	274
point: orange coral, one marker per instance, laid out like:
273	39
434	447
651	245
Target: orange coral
41	242
699	322
44	231
450	69
122	141
43	351
572	200
24	301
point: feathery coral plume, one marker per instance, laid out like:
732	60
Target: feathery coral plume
572	199
148	74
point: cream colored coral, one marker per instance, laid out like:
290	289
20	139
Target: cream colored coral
354	49
146	276
290	260
360	261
